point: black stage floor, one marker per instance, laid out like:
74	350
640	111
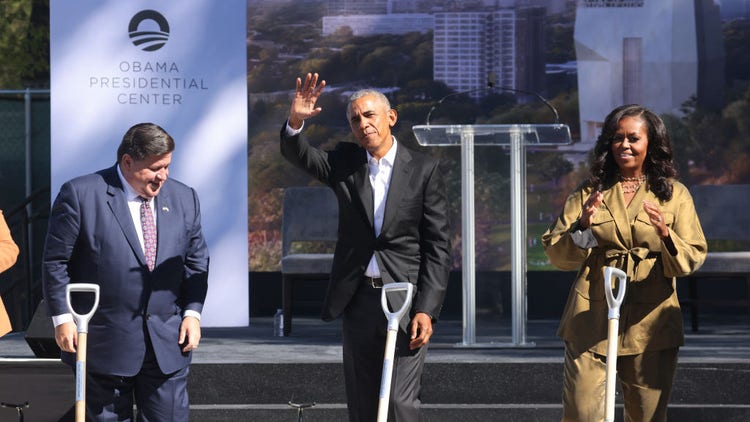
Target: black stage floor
723	338
248	374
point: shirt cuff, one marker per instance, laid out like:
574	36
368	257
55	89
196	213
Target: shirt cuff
62	319
192	313
583	238
291	131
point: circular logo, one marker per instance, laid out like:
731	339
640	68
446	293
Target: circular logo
148	39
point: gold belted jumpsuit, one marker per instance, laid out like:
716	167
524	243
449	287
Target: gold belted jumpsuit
650	316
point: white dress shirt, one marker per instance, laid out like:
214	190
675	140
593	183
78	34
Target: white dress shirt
380	180
134	205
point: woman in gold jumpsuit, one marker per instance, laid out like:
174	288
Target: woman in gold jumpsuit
632	214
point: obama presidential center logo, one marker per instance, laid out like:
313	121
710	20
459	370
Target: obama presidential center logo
143	33
156	80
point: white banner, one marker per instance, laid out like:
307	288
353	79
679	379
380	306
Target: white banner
182	65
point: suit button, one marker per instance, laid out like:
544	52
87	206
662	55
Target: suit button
147	316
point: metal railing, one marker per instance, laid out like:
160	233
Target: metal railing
25	200
27	97
22	217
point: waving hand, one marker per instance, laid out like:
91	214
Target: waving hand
303	105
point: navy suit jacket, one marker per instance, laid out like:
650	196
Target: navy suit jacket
92	239
414	241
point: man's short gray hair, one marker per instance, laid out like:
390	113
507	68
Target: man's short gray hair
363	92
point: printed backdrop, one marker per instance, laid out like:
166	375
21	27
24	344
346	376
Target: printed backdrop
182	65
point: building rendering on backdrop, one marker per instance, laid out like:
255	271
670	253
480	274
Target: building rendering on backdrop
468	46
472	40
656	53
505	43
364	25
374	7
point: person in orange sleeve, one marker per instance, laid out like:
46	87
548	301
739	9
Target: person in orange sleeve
8	256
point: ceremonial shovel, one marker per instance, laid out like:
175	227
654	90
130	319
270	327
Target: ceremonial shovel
82	322
613	326
390	342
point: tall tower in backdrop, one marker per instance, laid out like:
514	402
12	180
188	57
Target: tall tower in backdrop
509	43
530	49
655	53
468	46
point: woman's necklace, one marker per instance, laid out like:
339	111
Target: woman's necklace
631	184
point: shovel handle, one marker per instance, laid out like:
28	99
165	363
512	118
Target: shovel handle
612	331
82	320
390	342
82	323
395	317
613	301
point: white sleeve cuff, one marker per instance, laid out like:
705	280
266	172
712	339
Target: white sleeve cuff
292	132
583	238
192	313
62	319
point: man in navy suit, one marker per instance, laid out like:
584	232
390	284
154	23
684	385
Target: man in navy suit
393	227
138	235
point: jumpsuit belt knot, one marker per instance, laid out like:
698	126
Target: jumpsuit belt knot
627	260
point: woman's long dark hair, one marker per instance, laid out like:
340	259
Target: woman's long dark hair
658	167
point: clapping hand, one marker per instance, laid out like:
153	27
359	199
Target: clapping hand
589	209
655	216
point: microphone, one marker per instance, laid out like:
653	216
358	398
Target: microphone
491	86
440	101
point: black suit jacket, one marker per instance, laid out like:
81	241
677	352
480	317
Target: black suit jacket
414	242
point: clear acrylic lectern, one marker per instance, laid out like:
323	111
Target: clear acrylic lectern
517	138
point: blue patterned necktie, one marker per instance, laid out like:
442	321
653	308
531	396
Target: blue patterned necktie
149	233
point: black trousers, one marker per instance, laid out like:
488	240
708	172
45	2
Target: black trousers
364	334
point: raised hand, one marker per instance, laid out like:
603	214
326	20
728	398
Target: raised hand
303	106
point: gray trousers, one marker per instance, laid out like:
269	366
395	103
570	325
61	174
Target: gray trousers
364	334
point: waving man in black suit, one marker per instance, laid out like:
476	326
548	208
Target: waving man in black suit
393	227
